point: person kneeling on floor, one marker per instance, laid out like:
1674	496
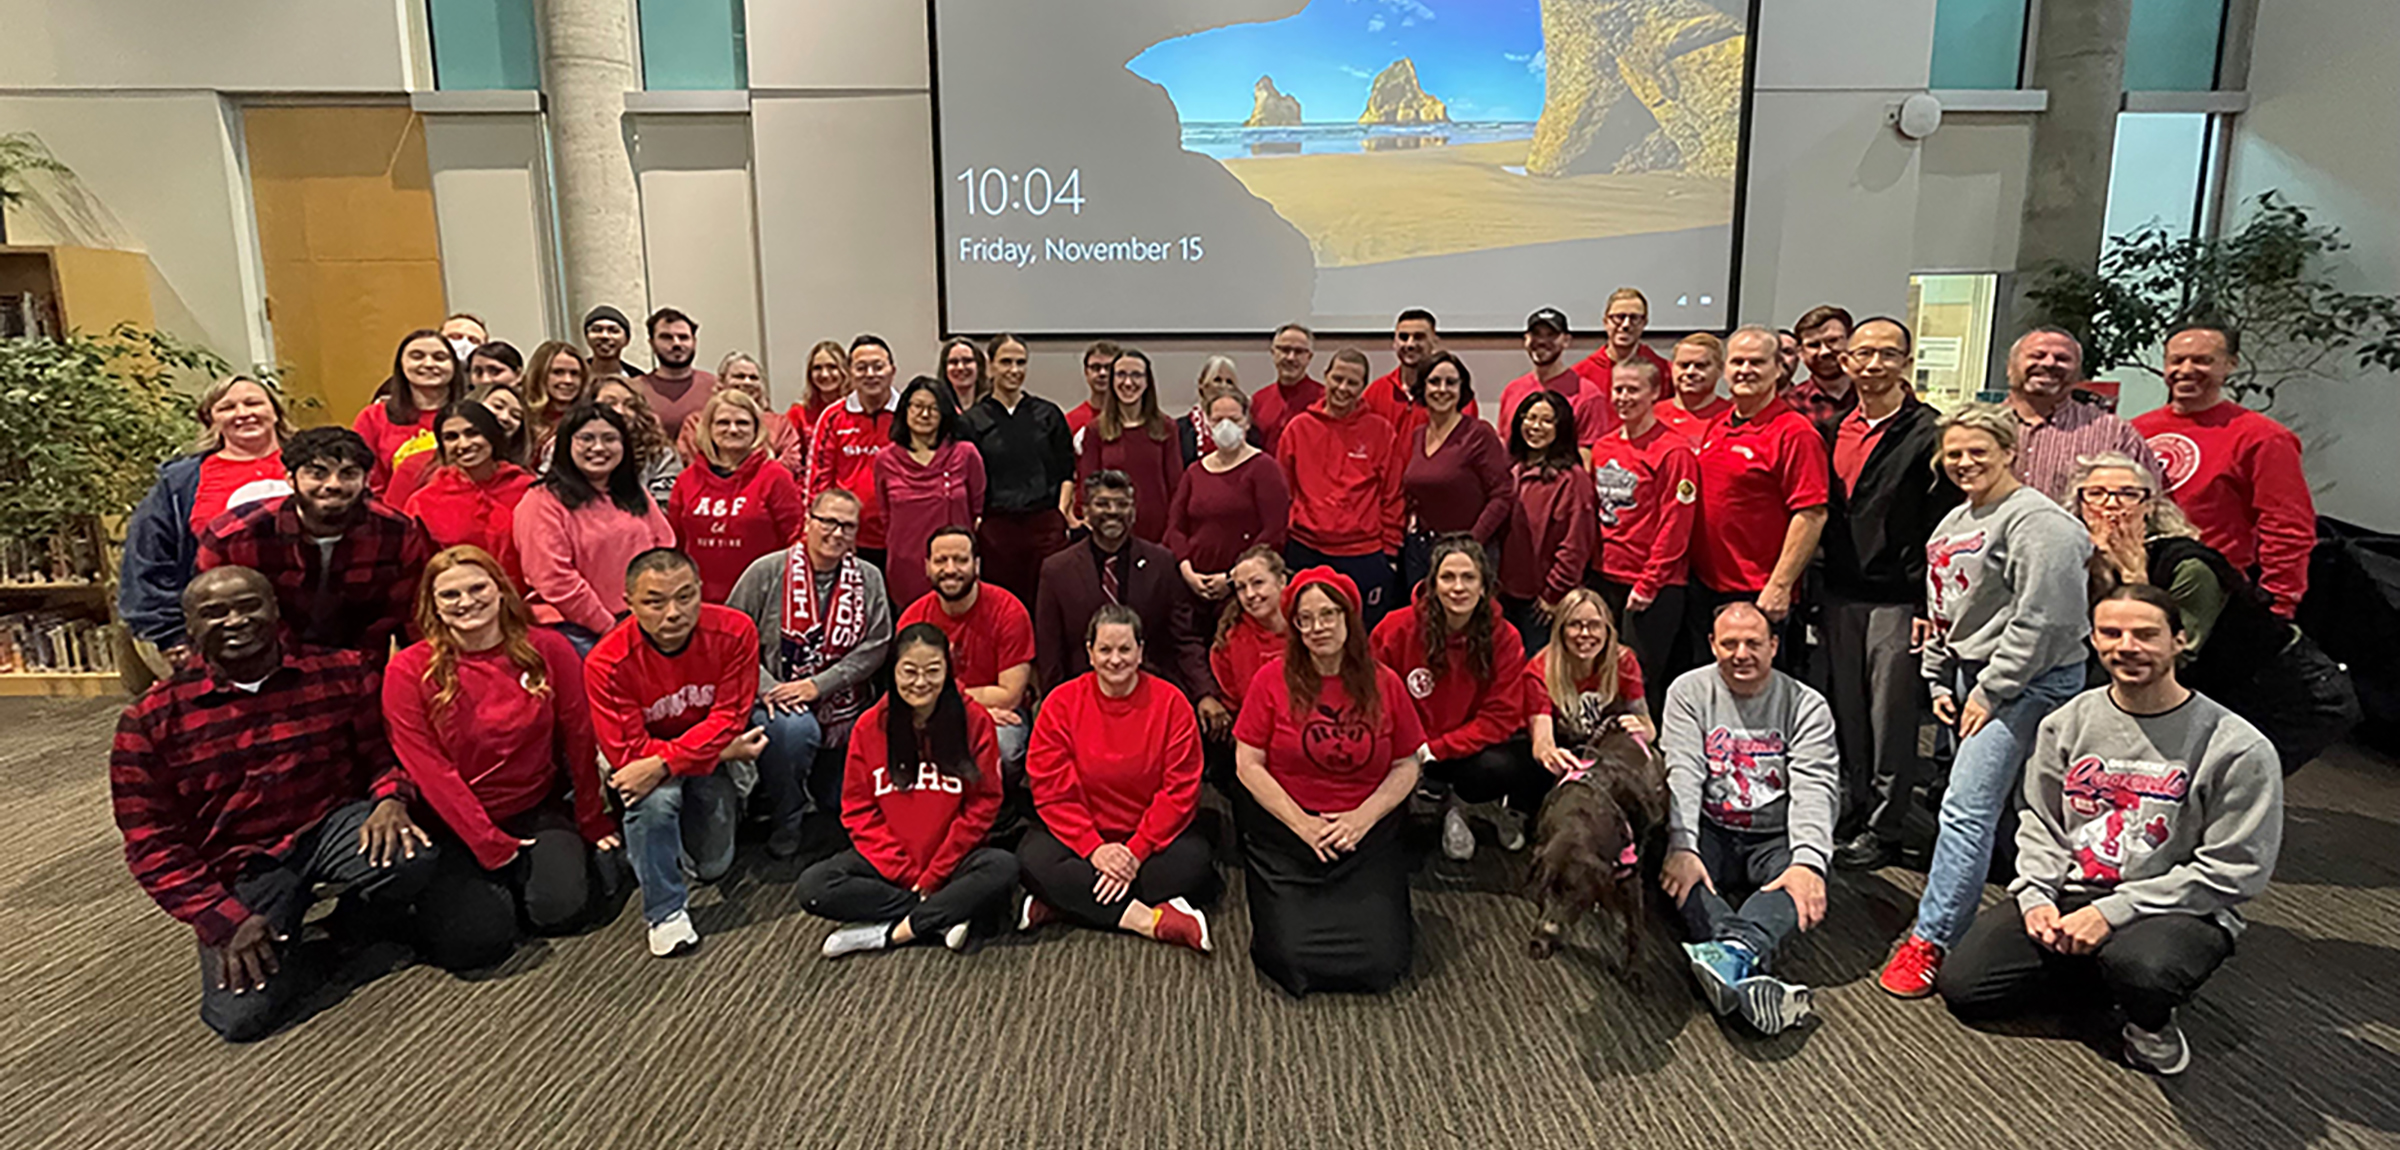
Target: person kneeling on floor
1115	774
246	778
2151	813
918	797
1753	780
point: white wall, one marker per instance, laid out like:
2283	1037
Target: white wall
697	234
1971	193
2324	128
228	45
489	191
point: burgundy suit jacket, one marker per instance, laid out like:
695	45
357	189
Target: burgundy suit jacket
1174	647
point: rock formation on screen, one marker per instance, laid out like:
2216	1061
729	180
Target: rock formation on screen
1270	108
1639	86
1395	98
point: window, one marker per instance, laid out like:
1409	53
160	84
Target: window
483	45
1978	43
694	45
2155	176
1952	317
2172	45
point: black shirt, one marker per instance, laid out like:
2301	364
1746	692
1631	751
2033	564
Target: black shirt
1027	453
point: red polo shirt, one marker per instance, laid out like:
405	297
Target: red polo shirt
1755	474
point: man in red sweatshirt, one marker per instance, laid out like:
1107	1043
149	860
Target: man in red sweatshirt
1342	463
671	690
1414	340
1099	374
2235	473
842	450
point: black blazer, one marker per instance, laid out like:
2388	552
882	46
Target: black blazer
1173	646
1875	535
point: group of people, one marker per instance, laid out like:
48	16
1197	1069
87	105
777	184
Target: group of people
527	618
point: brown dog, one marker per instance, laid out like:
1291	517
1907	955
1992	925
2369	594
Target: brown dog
1595	835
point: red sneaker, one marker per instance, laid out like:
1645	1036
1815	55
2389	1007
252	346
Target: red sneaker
1181	923
1911	971
1035	913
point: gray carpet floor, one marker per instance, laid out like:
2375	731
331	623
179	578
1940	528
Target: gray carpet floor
1073	1039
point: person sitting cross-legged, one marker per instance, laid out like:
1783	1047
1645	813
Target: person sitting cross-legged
991	636
922	786
1752	782
249	776
2151	813
1115	774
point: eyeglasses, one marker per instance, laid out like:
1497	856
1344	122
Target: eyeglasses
1875	354
1317	620
836	526
1586	627
2115	494
597	438
1624	317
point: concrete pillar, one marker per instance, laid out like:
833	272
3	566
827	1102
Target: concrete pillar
2079	58
587	68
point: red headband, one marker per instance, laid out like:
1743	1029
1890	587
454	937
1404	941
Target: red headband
1331	579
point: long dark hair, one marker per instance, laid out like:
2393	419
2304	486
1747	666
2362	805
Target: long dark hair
400	400
567	481
478	417
1561	454
1300	676
1433	620
946	745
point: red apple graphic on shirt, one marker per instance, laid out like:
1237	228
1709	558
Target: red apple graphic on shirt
1335	740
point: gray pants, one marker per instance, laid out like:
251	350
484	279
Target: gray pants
1878	701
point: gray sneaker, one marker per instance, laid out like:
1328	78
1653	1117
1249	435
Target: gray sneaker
1458	839
853	939
2163	1053
1509	824
673	935
1772	1005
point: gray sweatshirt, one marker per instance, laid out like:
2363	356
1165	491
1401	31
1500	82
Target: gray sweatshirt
2004	586
759	594
1764	763
2180	812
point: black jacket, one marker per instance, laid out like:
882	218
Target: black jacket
1875	534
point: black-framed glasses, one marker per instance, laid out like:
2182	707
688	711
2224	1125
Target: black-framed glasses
2115	494
837	526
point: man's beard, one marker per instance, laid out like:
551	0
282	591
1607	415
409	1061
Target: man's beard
942	588
667	359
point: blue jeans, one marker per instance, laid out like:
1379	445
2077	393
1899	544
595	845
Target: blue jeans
1983	774
793	740
687	822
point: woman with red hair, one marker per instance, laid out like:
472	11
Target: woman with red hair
1326	749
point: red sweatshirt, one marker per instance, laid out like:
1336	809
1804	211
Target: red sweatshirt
2237	475
1461	716
916	837
402	453
1755	474
457	510
1108	770
1344	475
498	750
725	521
1647	491
685	707
1237	657
841	453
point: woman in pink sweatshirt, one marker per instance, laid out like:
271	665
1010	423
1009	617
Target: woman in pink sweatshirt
588	519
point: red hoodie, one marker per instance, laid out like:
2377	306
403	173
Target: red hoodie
498	750
686	707
1237	657
1461	716
1276	405
841	453
2237	475
457	510
1647	492
1344	474
725	521
1108	770
916	837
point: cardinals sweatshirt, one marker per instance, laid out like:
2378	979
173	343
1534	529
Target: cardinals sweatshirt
1756	764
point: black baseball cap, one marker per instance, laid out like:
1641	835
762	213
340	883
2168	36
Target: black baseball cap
1551	318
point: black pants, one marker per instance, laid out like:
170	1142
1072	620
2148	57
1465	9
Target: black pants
1374	572
1877	696
2149	966
1739	863
1053	873
1318	926
848	888
281	892
1013	545
1700	621
2303	702
1655	633
470	918
1502	770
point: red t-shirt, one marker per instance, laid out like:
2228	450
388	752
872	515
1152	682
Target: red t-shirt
1647	491
1461	715
994	635
725	521
1537	681
1755	474
1570	386
1693	424
1275	405
1108	770
1329	759
229	483
1237	657
841	453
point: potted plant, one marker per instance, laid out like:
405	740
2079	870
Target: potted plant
85	421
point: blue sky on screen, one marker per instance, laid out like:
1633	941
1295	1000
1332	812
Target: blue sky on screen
1482	57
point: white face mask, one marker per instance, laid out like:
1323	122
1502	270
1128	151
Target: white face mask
1227	433
462	347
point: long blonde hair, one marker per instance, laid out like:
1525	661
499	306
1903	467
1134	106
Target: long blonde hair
1558	672
516	623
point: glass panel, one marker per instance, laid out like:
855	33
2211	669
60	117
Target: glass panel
1978	43
2172	45
694	45
2155	175
1952	318
480	45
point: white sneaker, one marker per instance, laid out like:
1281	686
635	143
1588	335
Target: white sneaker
2164	1053
1458	839
1509	824
852	939
956	937
673	935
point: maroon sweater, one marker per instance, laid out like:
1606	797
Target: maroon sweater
1464	485
1216	517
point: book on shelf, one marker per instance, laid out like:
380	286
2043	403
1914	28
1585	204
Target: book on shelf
65	557
51	642
27	315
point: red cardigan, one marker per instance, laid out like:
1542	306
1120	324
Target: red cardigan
1461	716
1108	770
916	837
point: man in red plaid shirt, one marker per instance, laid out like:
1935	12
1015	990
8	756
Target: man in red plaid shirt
344	567
247	777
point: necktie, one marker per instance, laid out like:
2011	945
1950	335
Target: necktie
1108	579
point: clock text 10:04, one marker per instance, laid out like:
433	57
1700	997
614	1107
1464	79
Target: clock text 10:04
993	192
